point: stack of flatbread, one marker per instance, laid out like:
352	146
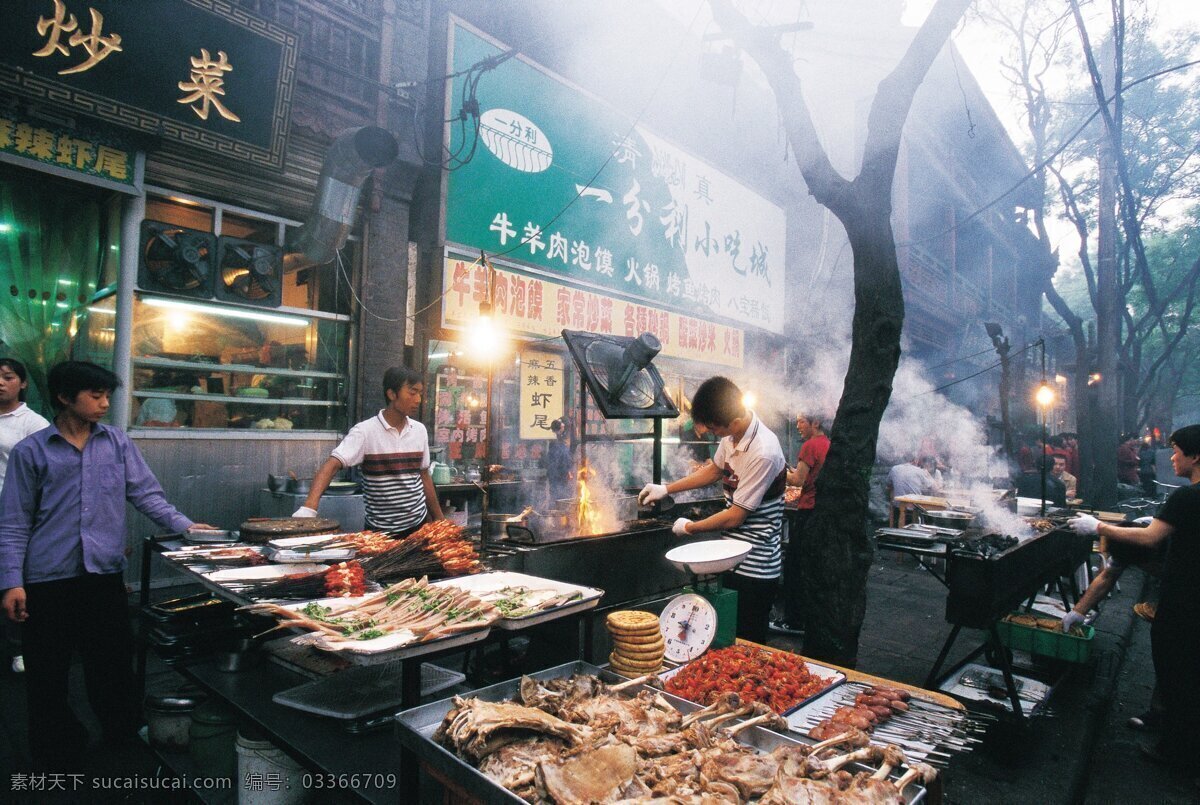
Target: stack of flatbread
637	642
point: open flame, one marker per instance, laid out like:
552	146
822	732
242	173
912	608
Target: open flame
587	514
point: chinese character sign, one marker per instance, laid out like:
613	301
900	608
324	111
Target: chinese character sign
656	223
534	306
541	393
194	71
70	150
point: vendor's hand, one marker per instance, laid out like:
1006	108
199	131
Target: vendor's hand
304	511
651	493
680	527
201	526
1084	524
1143	521
14	604
1071	620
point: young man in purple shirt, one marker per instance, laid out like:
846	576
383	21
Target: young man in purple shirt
62	553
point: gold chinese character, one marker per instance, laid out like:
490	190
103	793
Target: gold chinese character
74	152
205	83
62	23
112	161
37	143
6	132
96	44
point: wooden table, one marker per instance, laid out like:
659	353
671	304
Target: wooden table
906	502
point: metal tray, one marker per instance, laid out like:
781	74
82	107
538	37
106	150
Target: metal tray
415	728
823	671
378	651
360	692
1032	693
906	536
808	715
205	536
483	582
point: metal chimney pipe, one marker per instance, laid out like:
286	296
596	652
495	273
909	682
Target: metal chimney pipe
351	157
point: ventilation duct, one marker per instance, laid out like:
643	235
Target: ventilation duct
351	158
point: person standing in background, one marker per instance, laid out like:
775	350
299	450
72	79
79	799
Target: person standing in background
393	449
1128	460
559	464
808	468
1069	481
17	420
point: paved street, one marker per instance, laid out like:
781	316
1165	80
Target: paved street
1081	752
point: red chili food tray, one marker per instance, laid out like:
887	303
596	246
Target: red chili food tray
781	680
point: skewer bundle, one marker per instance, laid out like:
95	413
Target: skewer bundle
343	580
438	550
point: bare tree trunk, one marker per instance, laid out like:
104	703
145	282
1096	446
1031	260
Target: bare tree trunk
1108	335
838	552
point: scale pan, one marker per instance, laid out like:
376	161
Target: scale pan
708	557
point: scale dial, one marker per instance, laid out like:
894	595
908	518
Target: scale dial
688	625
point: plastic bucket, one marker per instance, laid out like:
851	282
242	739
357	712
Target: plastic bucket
266	775
210	740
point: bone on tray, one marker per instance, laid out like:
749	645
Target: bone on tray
577	739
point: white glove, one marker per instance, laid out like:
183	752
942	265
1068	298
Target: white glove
651	493
1143	521
1071	620
1084	524
304	511
680	527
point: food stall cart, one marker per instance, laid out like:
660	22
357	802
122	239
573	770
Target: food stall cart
987	577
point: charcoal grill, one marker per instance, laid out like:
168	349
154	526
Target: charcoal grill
983	589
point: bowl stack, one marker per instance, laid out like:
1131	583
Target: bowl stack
637	642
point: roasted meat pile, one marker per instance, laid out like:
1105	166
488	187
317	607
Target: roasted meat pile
578	740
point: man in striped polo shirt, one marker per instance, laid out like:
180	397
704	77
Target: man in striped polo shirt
393	449
749	464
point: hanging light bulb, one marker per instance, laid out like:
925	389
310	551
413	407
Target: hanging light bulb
1044	395
749	399
482	337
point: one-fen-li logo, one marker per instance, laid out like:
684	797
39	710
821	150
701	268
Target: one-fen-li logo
515	140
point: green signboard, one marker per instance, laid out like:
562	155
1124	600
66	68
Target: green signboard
201	72
95	155
564	183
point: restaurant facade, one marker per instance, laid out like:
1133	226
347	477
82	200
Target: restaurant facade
161	186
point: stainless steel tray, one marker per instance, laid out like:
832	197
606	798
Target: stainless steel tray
590	596
415	728
929	743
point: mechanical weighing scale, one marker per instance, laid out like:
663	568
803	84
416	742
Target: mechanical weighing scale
706	614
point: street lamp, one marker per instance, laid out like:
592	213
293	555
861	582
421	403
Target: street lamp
1044	398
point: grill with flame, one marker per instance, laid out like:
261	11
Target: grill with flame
587	515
